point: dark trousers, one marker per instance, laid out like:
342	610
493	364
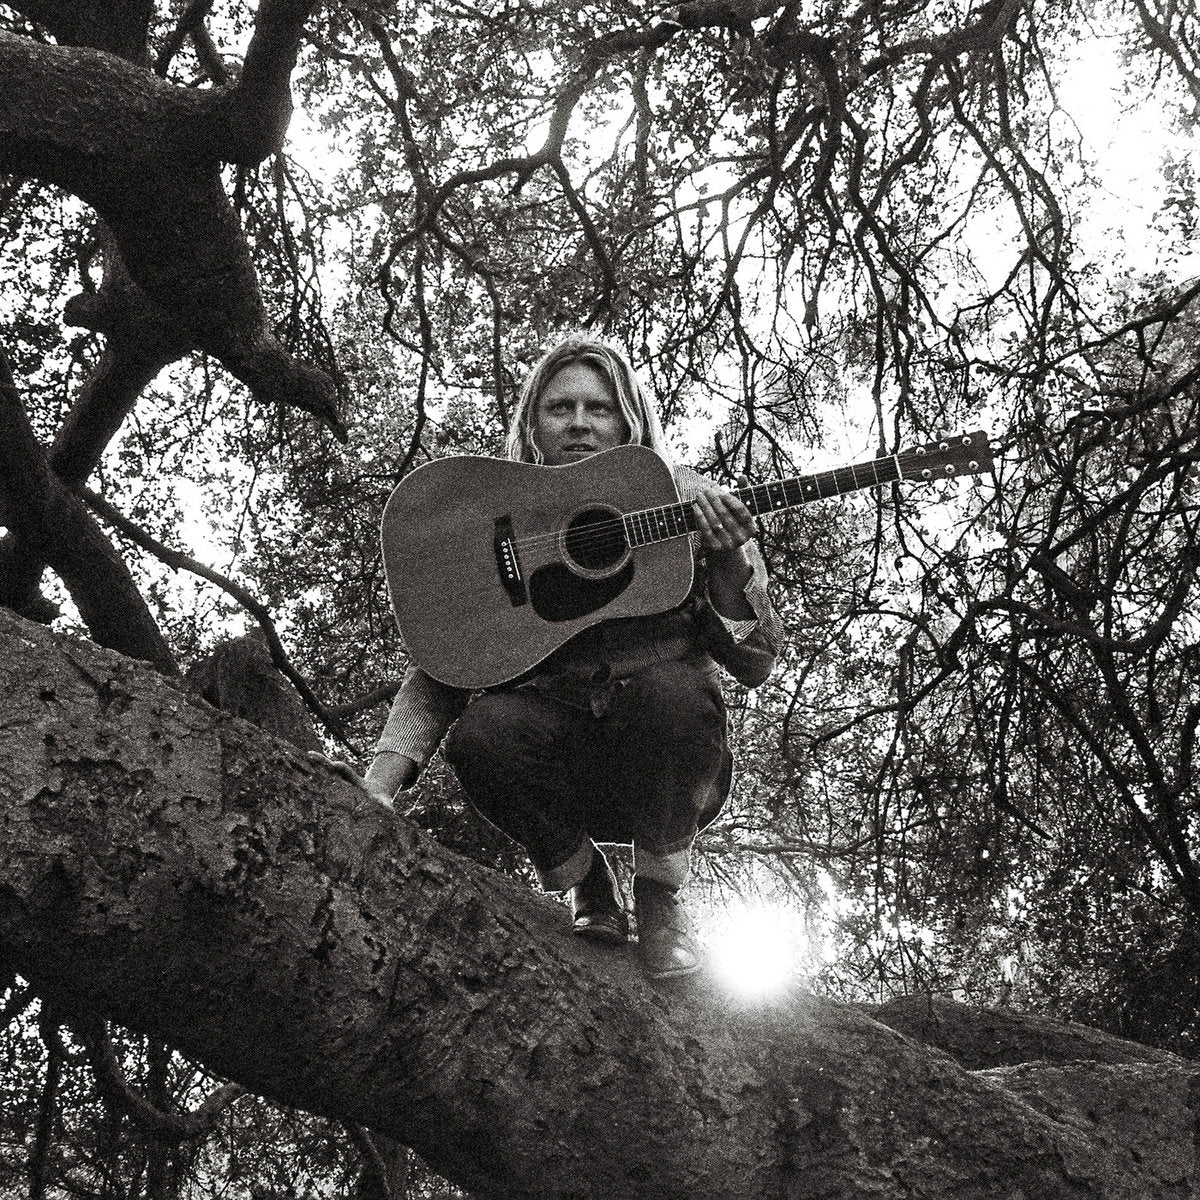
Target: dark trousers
651	770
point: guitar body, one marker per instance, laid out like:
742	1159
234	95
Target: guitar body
493	565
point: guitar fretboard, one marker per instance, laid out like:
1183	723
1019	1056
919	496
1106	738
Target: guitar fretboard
677	520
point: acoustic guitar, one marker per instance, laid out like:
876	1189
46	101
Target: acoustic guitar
493	565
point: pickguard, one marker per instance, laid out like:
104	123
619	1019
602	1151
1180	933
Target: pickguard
558	594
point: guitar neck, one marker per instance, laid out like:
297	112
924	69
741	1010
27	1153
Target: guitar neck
678	520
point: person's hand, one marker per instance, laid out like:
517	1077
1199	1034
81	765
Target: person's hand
387	774
724	523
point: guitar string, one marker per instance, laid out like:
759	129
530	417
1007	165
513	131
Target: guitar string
600	531
485	588
481	588
596	534
589	540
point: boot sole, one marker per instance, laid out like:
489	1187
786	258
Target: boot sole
672	972
608	935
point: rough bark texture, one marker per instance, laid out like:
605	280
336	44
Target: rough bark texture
982	1038
147	156
179	871
240	678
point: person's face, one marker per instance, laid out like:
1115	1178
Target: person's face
577	415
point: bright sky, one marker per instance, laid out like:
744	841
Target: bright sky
1130	139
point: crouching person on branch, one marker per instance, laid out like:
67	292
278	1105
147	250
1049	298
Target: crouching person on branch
620	735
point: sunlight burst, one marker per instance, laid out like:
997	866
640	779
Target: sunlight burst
756	948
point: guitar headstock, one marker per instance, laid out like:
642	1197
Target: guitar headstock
948	457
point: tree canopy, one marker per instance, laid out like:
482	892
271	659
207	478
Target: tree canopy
262	260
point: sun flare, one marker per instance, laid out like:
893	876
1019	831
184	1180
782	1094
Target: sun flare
756	948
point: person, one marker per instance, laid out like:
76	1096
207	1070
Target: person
620	735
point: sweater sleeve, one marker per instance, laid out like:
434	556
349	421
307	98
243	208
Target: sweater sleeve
422	711
747	649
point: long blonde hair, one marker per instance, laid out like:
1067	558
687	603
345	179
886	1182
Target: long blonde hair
639	414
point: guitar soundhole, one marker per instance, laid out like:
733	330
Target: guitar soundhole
594	541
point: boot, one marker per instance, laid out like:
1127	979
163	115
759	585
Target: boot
666	947
596	909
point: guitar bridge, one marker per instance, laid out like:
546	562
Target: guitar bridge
508	563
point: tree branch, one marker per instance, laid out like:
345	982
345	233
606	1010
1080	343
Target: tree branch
50	525
259	105
259	611
100	24
161	1125
272	921
140	341
190	23
47	1111
147	157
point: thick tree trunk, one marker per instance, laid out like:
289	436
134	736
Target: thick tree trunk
177	870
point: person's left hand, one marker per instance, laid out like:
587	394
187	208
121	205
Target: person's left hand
725	524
